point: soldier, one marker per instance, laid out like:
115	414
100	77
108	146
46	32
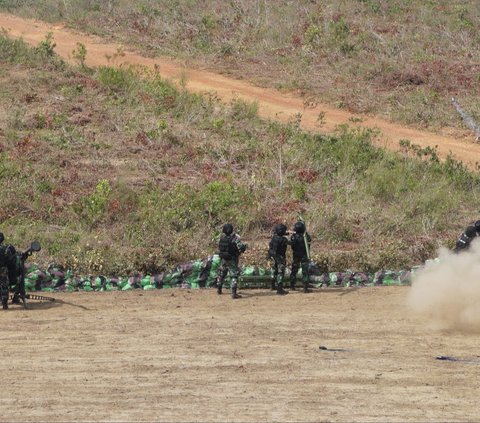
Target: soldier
230	247
300	242
278	251
8	271
467	237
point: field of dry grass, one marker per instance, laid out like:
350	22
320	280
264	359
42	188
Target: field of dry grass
400	60
119	172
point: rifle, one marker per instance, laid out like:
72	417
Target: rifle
35	297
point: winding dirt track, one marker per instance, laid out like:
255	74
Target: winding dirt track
272	104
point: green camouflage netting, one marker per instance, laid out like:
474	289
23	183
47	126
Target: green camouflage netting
199	274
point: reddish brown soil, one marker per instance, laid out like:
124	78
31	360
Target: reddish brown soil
272	104
190	355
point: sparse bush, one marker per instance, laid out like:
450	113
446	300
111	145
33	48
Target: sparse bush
80	54
243	110
93	206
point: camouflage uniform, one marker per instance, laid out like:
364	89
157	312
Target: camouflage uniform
463	243
277	252
8	272
230	247
300	259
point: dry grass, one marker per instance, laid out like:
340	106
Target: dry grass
116	172
401	60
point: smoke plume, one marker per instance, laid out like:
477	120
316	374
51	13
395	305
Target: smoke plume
446	292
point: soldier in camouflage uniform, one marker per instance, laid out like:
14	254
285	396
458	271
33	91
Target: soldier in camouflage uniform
230	247
277	251
299	241
8	271
463	243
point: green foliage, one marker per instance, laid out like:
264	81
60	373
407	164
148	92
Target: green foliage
243	110
313	34
185	207
188	164
209	21
8	169
118	80
93	206
15	51
46	48
80	54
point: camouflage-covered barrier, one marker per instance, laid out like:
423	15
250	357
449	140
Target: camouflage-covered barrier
198	274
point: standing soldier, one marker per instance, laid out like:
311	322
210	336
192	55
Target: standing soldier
300	242
277	251
8	271
230	247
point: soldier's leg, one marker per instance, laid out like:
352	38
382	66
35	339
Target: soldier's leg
222	273
4	292
274	274
234	275
305	276
293	274
281	274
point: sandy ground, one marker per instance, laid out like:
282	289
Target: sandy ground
190	355
272	104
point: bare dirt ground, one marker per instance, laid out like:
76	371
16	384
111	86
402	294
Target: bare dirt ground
272	104
190	355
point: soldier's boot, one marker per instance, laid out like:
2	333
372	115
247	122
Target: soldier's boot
292	285
280	290
306	289
234	293
272	286
219	288
5	302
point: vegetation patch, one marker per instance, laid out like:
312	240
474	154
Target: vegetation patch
116	170
403	60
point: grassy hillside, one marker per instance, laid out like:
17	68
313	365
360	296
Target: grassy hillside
115	171
400	59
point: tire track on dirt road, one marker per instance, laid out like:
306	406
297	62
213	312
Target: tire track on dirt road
272	104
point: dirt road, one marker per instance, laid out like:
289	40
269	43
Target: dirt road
272	104
190	355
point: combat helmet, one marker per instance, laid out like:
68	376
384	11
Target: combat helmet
280	229
228	229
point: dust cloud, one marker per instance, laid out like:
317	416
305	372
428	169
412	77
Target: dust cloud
446	291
